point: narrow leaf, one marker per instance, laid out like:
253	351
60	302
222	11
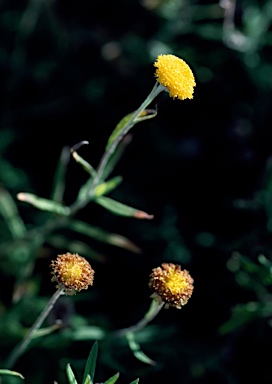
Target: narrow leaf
70	375
101	189
107	186
88	332
85	165
118	129
127	122
11	373
103	236
116	155
113	379
135	381
75	246
10	213
88	380
43	204
59	177
121	209
136	350
47	330
91	363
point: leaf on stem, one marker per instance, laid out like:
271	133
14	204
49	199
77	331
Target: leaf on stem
88	380
11	373
136	350
113	379
85	165
75	246
115	156
70	375
121	209
43	204
91	363
127	121
101	189
102	235
107	186
10	213
59	177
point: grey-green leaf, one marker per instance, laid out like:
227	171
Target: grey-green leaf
121	209
136	350
118	129
85	165
128	122
43	204
103	236
10	213
11	373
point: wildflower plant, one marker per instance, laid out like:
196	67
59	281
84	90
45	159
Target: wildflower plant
169	284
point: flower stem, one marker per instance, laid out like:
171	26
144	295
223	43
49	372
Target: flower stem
107	154
154	309
21	347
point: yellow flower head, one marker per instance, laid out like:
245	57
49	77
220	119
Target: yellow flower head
176	75
171	285
72	272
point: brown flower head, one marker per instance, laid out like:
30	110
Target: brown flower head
72	272
171	285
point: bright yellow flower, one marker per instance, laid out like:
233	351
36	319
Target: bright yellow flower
72	272
171	285
176	75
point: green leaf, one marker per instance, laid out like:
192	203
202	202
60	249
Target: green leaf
70	375
10	213
59	177
136	350
103	236
101	189
43	204
127	122
115	156
85	165
118	129
88	332
121	209
113	379
107	186
91	363
88	380
75	246
135	381
46	331
11	373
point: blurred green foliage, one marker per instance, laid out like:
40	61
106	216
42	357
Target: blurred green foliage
71	71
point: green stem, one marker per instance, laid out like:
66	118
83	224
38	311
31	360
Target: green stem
154	309
107	154
21	347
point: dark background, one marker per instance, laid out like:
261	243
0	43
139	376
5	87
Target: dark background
70	70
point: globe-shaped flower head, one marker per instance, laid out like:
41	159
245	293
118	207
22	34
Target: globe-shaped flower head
72	273
175	75
171	285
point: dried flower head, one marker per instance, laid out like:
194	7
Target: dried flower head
176	75
171	285
72	272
